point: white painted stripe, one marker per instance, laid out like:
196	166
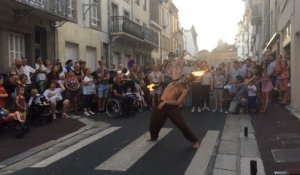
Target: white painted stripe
74	148
202	157
126	157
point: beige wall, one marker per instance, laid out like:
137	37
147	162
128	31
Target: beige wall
73	33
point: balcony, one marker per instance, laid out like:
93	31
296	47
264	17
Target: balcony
151	36
122	26
53	10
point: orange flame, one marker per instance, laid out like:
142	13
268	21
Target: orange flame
198	73
151	86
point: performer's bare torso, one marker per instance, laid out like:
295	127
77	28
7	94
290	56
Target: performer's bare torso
173	91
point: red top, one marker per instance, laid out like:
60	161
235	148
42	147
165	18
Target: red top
2	100
21	100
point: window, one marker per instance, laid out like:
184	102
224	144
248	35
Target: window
126	14
91	58
145	5
16	46
71	51
72	8
137	2
95	14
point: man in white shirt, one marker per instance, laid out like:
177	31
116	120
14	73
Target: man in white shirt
28	70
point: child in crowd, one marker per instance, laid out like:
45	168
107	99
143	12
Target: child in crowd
252	90
3	94
20	103
219	82
266	89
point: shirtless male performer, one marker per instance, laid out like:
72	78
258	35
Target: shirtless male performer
169	107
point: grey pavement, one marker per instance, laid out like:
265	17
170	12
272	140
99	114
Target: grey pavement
237	150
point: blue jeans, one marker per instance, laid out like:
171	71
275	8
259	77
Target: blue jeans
251	102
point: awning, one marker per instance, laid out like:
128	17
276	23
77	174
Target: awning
274	38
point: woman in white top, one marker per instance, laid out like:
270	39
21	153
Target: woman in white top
206	88
41	72
54	96
89	89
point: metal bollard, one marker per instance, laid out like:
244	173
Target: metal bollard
253	167
246	131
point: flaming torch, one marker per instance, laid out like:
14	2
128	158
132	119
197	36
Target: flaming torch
151	87
198	73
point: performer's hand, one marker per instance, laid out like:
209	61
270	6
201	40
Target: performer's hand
161	105
180	106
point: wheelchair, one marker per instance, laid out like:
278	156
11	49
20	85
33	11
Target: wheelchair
115	108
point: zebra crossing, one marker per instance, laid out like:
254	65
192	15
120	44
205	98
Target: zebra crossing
134	151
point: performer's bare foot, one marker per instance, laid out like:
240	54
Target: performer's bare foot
151	140
196	145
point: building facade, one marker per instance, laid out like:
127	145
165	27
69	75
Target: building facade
130	34
86	36
277	28
27	29
190	42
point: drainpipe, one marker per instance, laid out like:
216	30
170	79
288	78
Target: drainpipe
109	36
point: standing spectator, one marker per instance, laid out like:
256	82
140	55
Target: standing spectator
77	71
28	71
3	94
196	89
89	89
219	82
156	78
252	90
41	73
48	66
206	88
53	75
17	67
102	77
266	88
284	81
82	64
72	86
69	65
246	67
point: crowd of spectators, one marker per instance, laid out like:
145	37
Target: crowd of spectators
247	86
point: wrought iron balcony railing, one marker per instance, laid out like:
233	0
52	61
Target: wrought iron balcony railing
55	7
151	36
123	24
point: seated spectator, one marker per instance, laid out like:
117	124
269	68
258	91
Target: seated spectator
3	94
118	90
54	96
10	87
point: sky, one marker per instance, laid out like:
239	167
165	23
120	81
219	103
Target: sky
213	19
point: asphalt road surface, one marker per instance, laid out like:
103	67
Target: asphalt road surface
122	148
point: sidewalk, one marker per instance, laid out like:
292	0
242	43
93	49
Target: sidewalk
278	137
11	146
235	151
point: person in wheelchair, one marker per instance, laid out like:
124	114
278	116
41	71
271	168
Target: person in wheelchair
118	92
